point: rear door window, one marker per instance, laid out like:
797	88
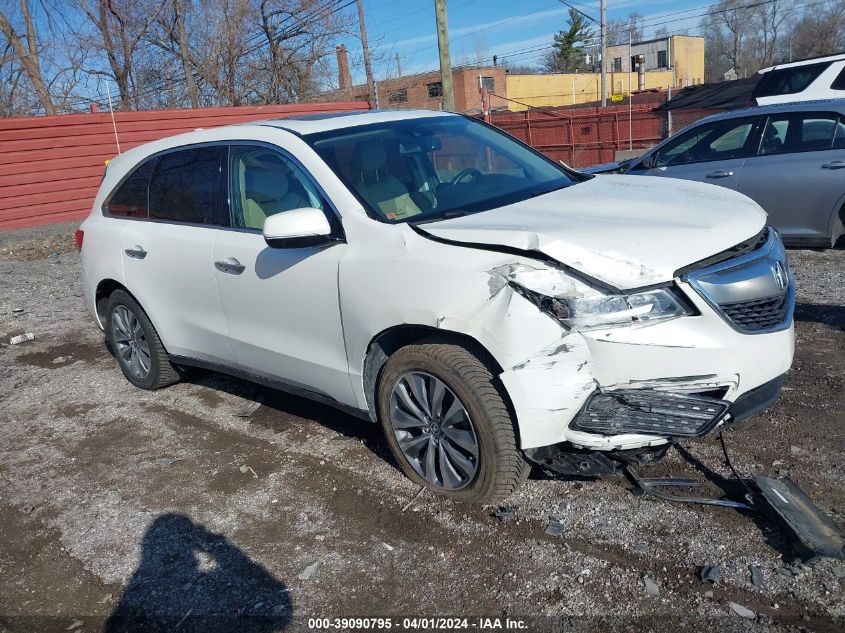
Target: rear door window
800	132
186	186
130	199
787	81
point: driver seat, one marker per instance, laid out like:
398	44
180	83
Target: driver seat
377	185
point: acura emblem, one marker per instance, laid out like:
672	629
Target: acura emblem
780	275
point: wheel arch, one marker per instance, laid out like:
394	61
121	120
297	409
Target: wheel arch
101	299
838	225
393	338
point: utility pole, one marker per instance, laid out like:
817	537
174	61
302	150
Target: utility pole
371	86
603	25
398	65
445	58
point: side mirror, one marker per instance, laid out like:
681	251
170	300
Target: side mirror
297	228
647	161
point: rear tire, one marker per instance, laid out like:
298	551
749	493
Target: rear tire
476	456
136	344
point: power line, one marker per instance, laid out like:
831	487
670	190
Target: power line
540	48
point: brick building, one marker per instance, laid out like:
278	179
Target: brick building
425	90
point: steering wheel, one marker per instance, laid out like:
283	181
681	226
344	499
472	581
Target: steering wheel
472	172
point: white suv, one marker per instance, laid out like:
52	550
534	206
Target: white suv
806	80
423	270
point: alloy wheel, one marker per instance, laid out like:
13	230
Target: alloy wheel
434	431
132	347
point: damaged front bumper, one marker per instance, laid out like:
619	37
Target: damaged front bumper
595	389
667	414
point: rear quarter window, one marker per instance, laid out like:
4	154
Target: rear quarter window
129	200
788	81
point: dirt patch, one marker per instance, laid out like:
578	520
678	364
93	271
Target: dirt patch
38	247
48	583
75	409
64	354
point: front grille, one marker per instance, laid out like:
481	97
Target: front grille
650	412
760	314
752	291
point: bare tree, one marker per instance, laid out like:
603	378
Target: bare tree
121	26
820	31
619	31
26	50
298	34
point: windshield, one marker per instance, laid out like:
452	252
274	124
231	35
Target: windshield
431	168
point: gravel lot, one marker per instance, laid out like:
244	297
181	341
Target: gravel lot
180	509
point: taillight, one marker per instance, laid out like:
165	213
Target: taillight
79	236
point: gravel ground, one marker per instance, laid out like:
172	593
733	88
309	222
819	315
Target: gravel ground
129	510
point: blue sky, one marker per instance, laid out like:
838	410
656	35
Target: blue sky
499	27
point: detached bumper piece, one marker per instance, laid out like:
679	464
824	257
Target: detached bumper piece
816	531
650	412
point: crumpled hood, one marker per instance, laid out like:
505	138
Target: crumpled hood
626	231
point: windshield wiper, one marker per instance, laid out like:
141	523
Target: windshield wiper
543	192
446	215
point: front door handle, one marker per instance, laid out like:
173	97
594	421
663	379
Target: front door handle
137	252
720	174
230	265
836	164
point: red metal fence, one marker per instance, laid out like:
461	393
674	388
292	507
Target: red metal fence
50	166
593	135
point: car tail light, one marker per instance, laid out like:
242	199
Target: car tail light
79	236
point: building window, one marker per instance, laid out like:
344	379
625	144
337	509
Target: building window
661	60
489	84
398	96
617	64
435	90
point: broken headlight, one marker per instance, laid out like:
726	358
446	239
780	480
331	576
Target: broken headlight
580	306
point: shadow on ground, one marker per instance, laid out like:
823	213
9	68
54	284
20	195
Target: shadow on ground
831	315
190	579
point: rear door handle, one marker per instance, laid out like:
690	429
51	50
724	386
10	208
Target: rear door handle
837	164
720	174
137	252
230	265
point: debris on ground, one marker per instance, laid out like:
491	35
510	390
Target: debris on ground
246	469
414	498
786	572
505	514
249	408
309	571
389	548
710	573
17	310
555	527
21	338
75	625
742	612
164	462
757	577
650	587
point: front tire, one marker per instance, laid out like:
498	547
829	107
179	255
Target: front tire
447	423
136	344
